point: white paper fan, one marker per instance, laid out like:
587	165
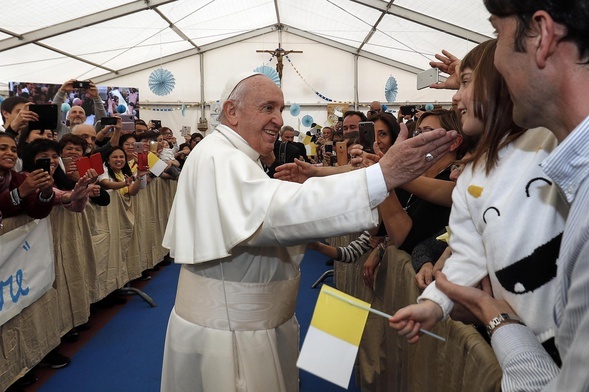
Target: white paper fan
391	89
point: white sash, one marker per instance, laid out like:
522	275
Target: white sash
235	306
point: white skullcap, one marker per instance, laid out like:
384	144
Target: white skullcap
233	82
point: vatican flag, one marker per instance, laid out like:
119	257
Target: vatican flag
331	344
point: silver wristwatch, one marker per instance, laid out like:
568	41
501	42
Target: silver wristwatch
501	319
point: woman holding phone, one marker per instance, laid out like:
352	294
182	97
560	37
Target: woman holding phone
45	153
30	194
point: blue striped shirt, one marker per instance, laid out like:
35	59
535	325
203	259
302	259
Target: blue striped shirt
526	365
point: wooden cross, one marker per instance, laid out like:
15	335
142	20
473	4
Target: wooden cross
279	53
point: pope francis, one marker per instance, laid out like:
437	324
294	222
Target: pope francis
233	326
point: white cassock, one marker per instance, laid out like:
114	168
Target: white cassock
237	231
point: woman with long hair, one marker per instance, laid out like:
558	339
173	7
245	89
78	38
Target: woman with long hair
118	174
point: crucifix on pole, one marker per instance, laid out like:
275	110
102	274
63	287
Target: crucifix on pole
279	53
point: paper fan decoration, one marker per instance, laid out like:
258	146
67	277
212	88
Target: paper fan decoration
295	109
161	82
307	120
269	72
391	89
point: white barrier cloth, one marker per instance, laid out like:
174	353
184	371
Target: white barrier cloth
26	267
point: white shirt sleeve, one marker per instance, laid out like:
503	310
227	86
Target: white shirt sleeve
526	365
377	188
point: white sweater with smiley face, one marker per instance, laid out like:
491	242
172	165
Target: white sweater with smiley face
508	224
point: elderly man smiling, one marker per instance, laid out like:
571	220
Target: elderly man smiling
233	326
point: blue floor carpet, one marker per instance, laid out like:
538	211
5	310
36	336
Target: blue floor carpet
126	355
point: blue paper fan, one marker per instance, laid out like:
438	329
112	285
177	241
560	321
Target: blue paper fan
391	89
269	72
307	120
161	82
295	109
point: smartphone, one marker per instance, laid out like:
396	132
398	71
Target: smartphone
157	124
153	146
104	121
80	84
332	160
427	78
47	117
341	149
185	130
366	129
137	147
329	147
67	160
43	163
128	123
142	162
409	110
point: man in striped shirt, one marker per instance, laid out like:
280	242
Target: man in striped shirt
543	54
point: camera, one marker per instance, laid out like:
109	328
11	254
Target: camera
104	121
408	110
80	84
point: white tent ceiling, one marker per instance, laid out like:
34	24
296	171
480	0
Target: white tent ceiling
108	40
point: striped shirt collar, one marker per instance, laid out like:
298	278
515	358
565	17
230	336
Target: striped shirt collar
568	164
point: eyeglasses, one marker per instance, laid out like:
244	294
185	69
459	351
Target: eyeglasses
419	131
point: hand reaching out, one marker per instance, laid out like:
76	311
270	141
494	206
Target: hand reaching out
361	158
23	118
472	304
81	188
408	320
299	171
449	64
407	159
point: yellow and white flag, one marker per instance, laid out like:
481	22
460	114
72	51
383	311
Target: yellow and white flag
331	344
156	165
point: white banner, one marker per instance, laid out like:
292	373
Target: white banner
26	267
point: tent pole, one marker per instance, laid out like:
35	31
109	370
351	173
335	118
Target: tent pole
356	82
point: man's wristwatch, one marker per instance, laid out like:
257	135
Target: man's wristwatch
503	318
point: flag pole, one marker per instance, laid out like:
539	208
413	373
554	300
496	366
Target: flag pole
378	312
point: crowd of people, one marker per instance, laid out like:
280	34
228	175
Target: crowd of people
76	164
501	174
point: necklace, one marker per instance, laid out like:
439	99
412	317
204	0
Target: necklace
412	200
